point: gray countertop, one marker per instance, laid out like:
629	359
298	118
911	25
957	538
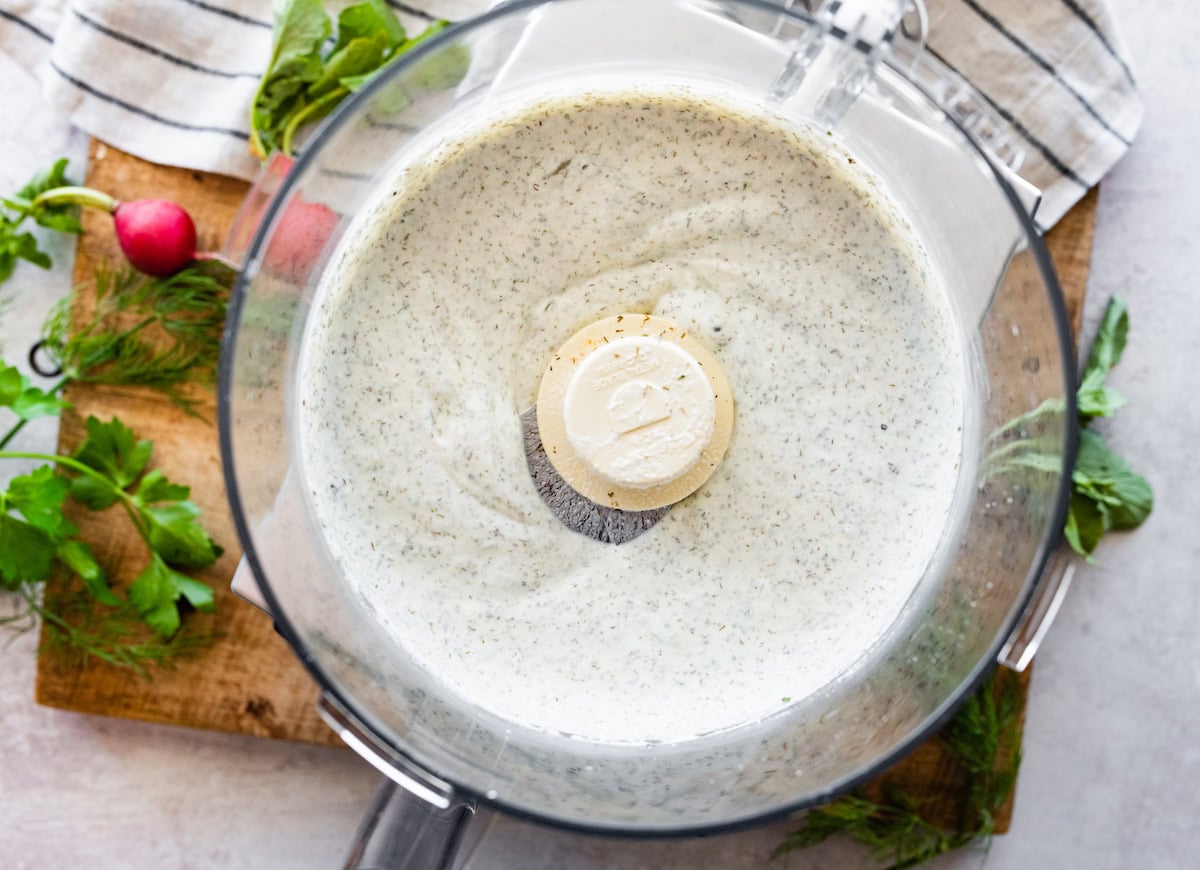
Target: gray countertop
1111	757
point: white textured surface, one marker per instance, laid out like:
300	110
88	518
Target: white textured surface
1111	758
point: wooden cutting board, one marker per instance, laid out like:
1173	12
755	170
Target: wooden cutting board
249	682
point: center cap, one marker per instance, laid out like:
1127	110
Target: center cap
639	411
634	413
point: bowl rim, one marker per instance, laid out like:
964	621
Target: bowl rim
329	686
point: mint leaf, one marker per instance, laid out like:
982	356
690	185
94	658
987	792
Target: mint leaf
1110	339
1086	523
110	449
1098	401
1108	494
77	556
175	534
1093	398
1106	478
157	589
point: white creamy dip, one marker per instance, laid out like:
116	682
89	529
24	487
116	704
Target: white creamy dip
431	333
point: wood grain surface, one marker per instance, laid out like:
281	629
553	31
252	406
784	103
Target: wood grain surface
249	682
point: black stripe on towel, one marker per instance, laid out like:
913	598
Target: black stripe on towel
410	10
1044	64
1049	156
228	13
138	110
150	49
36	31
1082	15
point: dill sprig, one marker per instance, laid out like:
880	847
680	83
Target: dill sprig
78	631
161	333
984	738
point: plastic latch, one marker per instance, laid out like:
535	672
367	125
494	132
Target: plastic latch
837	56
404	772
1019	649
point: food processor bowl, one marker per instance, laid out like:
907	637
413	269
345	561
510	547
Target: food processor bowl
852	70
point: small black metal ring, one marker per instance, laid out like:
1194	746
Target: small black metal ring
34	361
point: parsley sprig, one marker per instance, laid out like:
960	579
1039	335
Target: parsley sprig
108	469
16	242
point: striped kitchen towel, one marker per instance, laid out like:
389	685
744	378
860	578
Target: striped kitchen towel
172	80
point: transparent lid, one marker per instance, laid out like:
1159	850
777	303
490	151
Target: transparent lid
843	76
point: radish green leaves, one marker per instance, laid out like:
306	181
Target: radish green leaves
307	77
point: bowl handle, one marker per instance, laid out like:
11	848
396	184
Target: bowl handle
416	820
1025	639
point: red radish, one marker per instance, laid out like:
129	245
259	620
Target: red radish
302	230
301	234
156	235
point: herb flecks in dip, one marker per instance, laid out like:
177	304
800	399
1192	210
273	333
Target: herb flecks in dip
785	258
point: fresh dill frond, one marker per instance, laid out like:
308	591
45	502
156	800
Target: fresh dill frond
161	333
77	629
984	740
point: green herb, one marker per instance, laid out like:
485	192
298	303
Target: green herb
983	739
26	401
306	79
1107	493
17	245
162	333
1095	399
78	631
107	466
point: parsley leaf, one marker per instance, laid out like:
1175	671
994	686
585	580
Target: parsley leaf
176	535
110	448
164	516
26	552
16	245
155	487
77	556
29	544
157	589
26	401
